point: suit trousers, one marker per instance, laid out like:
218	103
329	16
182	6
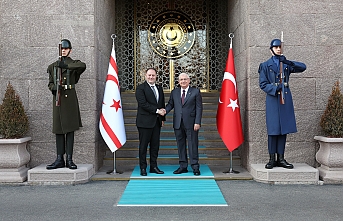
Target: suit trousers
182	135
151	137
276	144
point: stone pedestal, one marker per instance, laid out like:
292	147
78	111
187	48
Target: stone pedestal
13	159
301	174
61	176
330	156
16	175
330	175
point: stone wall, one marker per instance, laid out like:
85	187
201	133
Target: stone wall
312	34
30	34
238	24
104	28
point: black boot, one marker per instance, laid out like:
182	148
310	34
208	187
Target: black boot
70	164
59	163
272	162
281	162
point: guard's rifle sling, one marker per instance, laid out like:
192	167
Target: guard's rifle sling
282	76
59	77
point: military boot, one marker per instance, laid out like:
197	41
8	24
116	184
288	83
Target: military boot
281	162
59	163
272	162
70	164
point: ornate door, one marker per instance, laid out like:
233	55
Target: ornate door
173	36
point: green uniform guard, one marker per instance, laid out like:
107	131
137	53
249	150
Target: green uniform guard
66	115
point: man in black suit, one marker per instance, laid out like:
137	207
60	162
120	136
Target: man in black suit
150	98
187	104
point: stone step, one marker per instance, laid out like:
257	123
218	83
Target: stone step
62	176
204	120
206	106
220	172
207	143
208	127
133	135
171	159
129	100
301	174
206	113
210	152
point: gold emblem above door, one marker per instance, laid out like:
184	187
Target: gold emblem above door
171	34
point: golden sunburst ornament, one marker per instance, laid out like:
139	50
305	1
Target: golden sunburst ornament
171	34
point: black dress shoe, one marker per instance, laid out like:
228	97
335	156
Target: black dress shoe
70	164
156	170
143	172
271	164
180	170
196	172
281	162
59	163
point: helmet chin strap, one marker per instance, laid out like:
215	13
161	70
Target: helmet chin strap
274	52
64	57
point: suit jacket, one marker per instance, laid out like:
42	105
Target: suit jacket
147	105
190	112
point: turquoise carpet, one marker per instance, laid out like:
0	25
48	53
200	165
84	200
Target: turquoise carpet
170	189
168	173
175	156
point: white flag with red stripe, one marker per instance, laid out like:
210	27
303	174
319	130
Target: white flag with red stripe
111	123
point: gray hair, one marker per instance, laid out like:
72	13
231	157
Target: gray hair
184	74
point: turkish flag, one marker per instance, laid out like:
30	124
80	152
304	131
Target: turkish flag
229	122
111	123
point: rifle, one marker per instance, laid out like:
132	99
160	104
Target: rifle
59	77
282	92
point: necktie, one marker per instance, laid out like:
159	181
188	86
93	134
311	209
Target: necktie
183	96
153	89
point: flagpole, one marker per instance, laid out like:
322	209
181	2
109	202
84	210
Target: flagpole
231	36
231	170
114	164
114	172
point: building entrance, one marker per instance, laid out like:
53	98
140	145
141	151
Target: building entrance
173	36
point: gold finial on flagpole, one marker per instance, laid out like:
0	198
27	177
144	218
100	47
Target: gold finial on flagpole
231	36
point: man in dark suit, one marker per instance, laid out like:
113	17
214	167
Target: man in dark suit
187	104
150	98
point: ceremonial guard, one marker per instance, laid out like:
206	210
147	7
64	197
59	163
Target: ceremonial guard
280	118
64	74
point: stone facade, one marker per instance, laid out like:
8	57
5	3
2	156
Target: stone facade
30	33
312	33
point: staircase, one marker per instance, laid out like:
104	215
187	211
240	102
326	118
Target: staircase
212	150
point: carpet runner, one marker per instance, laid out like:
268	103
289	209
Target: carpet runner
170	189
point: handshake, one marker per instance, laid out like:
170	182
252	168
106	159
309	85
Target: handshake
162	112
